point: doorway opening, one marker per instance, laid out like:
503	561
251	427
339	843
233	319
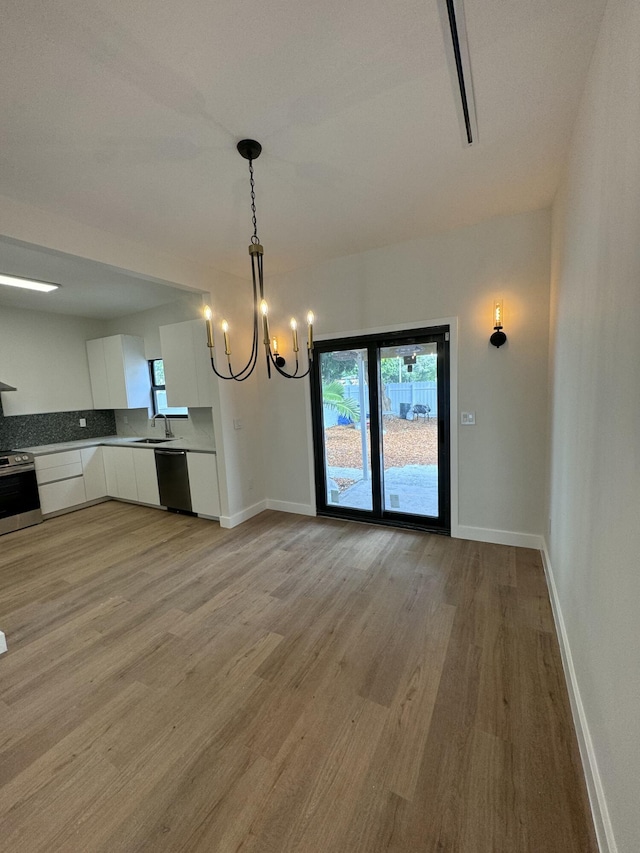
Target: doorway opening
381	428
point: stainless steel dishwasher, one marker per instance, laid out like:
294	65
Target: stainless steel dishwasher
173	480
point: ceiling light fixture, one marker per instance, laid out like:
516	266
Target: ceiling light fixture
250	150
27	283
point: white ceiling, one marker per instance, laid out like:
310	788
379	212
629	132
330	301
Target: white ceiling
125	116
88	288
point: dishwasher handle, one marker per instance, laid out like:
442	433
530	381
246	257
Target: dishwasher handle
171	452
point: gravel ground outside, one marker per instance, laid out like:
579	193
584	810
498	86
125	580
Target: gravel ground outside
405	443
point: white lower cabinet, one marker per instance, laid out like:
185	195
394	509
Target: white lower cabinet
95	484
71	478
144	463
60	481
62	495
119	473
203	481
131	474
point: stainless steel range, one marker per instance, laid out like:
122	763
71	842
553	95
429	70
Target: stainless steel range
19	499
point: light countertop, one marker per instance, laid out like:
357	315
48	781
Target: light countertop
194	445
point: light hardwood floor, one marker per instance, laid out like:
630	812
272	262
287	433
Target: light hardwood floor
294	684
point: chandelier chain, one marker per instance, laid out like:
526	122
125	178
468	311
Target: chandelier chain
254	238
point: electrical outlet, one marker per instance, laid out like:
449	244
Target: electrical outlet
468	418
126	419
237	423
83	422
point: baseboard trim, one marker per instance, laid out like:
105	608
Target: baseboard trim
3	643
288	506
244	515
497	537
595	790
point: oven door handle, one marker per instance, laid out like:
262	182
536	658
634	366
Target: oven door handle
17	469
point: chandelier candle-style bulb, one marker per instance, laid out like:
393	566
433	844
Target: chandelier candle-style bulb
310	319
225	332
294	332
264	309
208	314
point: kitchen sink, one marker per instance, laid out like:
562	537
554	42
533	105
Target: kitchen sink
152	440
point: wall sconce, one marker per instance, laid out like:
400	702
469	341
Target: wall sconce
498	337
280	362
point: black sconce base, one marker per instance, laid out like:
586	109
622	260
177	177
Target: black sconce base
498	338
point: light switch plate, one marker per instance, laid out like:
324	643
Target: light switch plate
468	418
83	422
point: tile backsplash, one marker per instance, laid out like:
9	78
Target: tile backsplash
31	430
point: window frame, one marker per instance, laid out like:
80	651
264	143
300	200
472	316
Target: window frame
156	387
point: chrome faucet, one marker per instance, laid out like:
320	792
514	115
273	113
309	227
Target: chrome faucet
167	425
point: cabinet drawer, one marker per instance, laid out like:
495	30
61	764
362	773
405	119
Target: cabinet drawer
62	495
54	460
60	472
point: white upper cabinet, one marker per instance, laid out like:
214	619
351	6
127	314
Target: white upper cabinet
119	373
187	368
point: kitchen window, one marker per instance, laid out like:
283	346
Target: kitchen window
159	392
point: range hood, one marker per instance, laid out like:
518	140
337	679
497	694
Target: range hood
5	387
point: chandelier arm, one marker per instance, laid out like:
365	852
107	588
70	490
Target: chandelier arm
249	366
284	373
253	358
217	372
251	363
247	370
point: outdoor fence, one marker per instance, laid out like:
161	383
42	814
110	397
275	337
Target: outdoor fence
399	399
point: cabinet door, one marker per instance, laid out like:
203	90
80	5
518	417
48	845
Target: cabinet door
110	473
125	474
98	374
119	373
95	484
114	362
187	369
144	462
136	372
62	495
203	480
120	473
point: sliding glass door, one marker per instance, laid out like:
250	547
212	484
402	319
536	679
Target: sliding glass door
381	428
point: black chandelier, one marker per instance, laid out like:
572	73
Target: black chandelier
250	150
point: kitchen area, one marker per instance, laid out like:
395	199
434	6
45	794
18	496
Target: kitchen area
82	416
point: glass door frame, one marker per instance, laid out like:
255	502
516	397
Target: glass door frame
379	515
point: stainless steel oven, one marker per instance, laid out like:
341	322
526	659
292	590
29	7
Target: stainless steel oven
19	499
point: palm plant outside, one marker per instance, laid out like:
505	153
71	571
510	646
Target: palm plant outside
333	396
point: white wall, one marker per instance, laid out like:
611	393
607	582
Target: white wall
594	535
45	357
502	483
146	324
